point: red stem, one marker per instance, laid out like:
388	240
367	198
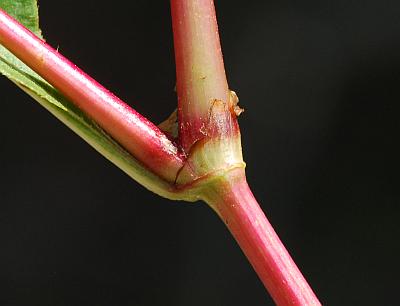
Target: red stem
234	202
135	133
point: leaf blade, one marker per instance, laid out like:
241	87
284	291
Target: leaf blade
25	11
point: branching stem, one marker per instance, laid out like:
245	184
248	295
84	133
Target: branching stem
209	135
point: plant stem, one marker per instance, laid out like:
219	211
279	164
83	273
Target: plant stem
208	130
234	202
199	66
209	133
208	127
135	133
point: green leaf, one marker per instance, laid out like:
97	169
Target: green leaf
26	12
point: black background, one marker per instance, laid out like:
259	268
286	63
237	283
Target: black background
320	84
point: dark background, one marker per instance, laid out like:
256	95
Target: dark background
320	84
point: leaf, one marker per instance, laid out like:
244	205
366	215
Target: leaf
26	12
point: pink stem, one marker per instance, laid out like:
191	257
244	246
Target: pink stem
201	81
134	132
234	202
200	68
